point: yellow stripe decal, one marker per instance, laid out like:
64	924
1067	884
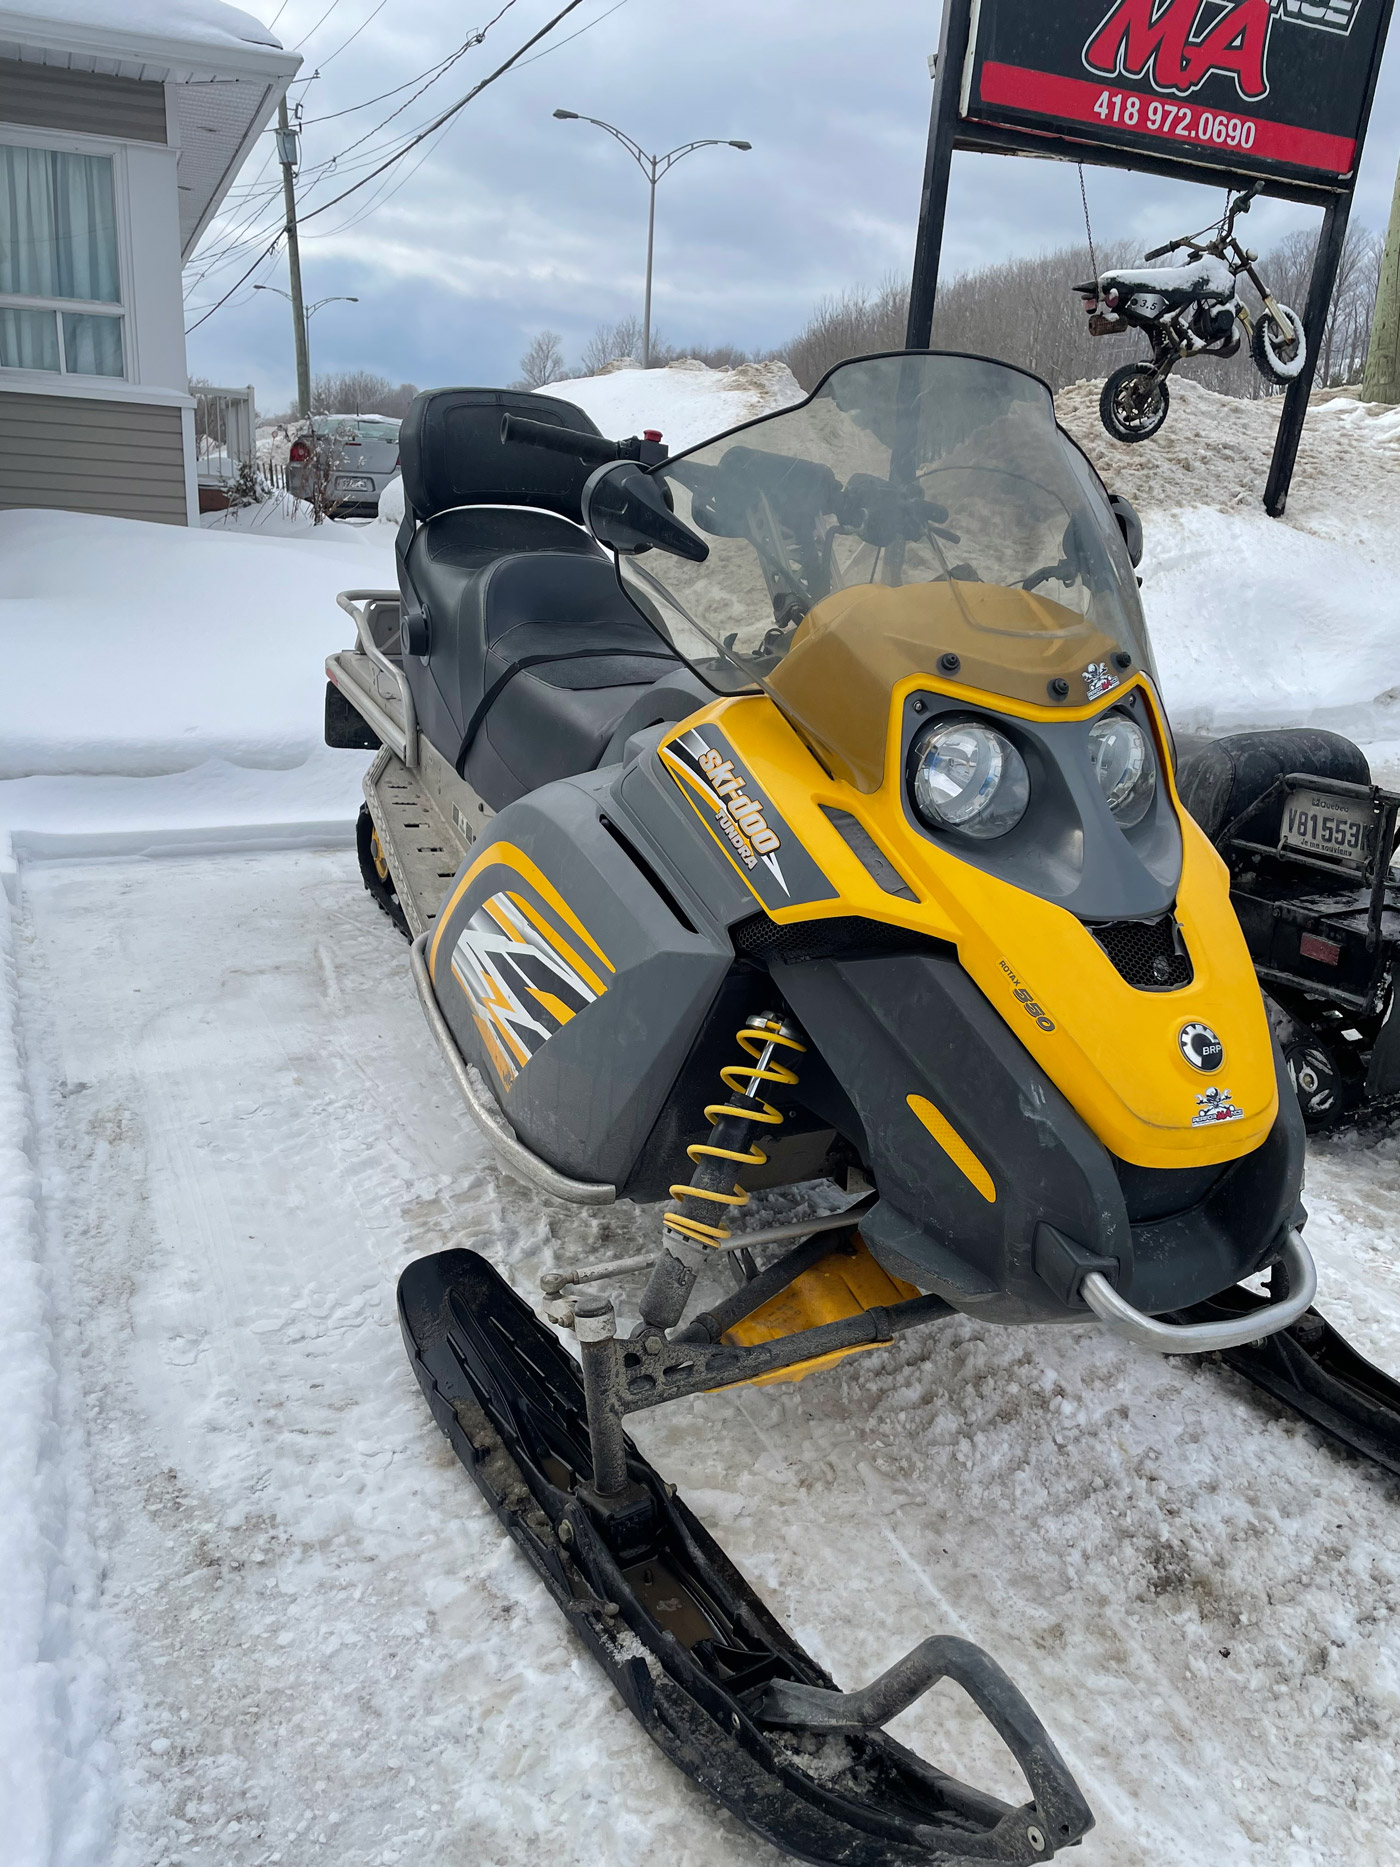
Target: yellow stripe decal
554	1006
559	943
953	1145
508	856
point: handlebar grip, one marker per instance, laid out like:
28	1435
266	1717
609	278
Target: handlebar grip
1158	252
560	440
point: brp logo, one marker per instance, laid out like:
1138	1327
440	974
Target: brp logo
1201	1048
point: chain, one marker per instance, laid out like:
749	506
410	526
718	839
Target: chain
1084	197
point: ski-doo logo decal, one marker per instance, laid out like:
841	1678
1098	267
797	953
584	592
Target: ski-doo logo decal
739	816
1215	1106
522	979
1099	679
1027	1000
1200	1046
761	846
1178	45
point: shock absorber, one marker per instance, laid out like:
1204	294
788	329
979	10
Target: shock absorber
695	1223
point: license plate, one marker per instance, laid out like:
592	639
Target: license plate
347	485
1322	824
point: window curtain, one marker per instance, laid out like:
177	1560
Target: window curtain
58	225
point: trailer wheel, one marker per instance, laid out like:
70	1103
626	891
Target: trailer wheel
375	872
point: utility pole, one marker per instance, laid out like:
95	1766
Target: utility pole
287	156
1382	379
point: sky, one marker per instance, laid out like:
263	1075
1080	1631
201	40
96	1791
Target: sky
510	222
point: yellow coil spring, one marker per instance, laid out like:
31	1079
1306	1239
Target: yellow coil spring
739	1079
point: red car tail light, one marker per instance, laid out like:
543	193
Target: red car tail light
300	452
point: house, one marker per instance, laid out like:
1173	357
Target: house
123	123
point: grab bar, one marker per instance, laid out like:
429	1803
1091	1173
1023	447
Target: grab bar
1202	1338
348	599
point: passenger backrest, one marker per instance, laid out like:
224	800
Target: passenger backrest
451	453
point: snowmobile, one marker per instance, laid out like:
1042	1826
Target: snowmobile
800	812
1188	311
1310	842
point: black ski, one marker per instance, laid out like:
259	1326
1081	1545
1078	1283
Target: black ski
1316	1372
702	1665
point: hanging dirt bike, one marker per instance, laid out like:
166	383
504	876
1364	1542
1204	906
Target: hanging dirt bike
1188	311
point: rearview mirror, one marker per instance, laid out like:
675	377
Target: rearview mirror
625	510
1129	524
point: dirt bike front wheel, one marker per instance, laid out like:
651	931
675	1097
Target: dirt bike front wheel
1279	352
1134	403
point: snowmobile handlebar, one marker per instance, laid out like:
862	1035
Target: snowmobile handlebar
1203	1338
647	449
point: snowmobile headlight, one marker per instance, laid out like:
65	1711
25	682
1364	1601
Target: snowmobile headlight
969	777
1124	766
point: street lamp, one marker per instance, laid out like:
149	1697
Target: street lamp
307	316
653	167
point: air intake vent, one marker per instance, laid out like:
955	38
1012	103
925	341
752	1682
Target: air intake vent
1150	955
847	937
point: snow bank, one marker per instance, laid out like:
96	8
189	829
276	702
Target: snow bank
1258	622
51	1801
687	401
190	659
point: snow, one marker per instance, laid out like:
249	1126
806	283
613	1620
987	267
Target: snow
1257	623
1209	277
252	1610
687	401
201	22
179	675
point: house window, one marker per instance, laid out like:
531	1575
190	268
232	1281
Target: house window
60	278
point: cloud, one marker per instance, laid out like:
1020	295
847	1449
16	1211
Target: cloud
513	222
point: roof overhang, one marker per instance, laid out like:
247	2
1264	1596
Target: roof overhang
223	91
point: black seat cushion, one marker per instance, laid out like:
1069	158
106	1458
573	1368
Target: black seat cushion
534	651
1227	776
451	453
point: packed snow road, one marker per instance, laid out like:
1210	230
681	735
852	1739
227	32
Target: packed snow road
292	1631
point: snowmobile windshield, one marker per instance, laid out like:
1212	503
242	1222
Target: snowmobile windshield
918	515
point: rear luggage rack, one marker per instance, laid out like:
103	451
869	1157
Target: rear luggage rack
1150	955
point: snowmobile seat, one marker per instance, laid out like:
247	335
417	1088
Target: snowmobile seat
1222	780
533	653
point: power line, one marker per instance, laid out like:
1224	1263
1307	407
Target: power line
617	8
438	123
265	254
316	28
321	63
452	110
350	109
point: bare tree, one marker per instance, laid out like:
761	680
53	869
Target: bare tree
543	361
610	343
360	392
1027	312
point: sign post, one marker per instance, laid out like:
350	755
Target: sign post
1277	92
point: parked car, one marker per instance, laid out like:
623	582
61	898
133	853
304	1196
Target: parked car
353	457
